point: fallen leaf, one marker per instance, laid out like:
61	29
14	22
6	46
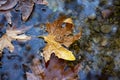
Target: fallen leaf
55	47
55	69
2	2
62	30
8	16
12	34
26	7
60	33
6	6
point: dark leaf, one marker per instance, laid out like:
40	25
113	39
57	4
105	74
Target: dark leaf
56	69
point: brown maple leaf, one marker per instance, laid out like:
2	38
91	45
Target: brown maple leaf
12	34
55	69
60	33
62	29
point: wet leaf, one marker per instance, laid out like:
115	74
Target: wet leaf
12	34
62	29
60	33
8	16
7	4
55	69
55	47
26	7
2	2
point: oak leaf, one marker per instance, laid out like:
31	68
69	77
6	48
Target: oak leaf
12	34
60	33
55	69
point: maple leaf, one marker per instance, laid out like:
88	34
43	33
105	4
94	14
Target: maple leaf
57	36
55	69
12	34
55	47
62	30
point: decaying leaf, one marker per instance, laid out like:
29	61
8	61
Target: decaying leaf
8	16
26	7
60	33
2	2
55	69
12	34
6	6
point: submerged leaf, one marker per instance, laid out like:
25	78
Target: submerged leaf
7	15
26	7
7	4
55	69
12	34
60	33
